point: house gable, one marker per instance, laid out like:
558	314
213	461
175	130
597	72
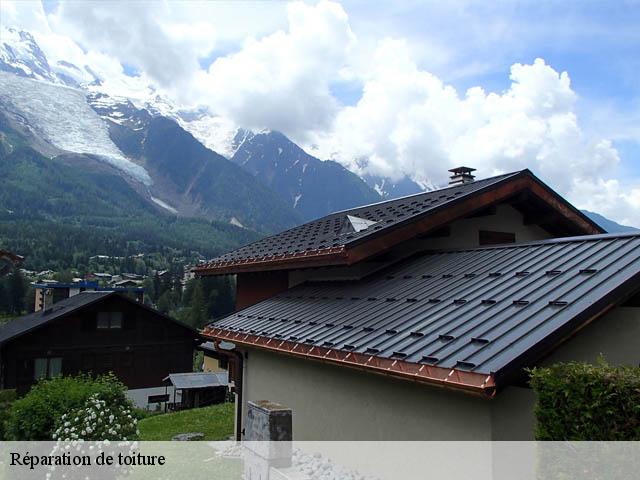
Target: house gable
109	333
324	242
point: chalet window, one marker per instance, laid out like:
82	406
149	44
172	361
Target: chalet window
47	367
487	237
109	320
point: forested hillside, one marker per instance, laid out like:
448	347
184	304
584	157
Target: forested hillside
57	214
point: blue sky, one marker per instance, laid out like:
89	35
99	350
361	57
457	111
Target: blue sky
596	42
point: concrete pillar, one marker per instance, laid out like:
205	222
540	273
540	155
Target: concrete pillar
268	436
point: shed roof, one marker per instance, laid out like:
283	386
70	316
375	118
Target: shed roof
470	317
195	380
329	239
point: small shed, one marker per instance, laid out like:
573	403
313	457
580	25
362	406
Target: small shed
197	389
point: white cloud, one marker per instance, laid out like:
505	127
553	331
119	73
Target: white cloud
281	81
27	15
410	122
140	34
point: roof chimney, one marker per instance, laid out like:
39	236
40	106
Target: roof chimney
461	175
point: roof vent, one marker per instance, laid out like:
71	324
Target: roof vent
461	175
355	224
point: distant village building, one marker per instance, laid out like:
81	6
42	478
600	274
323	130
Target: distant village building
213	361
97	332
126	284
415	318
47	293
8	261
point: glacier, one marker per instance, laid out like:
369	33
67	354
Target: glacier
62	116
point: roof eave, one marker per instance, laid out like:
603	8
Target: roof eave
320	258
480	384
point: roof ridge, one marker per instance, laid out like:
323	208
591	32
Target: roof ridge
503	175
354	211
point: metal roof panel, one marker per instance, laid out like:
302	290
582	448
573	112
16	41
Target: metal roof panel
449	309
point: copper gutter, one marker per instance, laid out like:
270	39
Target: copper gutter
323	256
472	382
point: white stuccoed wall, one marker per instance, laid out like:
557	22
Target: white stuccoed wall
339	403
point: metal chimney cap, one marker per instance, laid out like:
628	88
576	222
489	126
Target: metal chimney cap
462	170
461	175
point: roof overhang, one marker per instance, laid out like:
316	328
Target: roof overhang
481	384
383	240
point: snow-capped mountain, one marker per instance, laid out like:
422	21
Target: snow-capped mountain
61	116
389	189
141	138
20	54
311	186
132	109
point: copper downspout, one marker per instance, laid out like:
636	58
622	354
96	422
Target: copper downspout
237	358
471	382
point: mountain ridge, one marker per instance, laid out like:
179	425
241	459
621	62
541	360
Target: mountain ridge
311	186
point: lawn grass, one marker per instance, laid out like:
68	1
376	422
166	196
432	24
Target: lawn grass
216	422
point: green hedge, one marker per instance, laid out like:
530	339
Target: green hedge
578	401
33	417
7	397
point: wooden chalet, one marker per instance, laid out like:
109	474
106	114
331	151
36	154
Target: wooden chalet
95	332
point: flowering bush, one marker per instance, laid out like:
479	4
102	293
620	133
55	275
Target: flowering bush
35	416
98	419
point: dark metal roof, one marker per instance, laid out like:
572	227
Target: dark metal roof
21	325
337	232
485	310
330	232
188	381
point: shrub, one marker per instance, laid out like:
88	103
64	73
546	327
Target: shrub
34	416
7	397
98	419
578	401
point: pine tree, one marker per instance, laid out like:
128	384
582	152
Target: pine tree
17	290
198	308
164	302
